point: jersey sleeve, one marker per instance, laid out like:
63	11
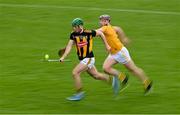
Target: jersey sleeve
93	33
71	37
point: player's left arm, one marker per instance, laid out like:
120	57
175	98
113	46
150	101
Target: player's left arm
121	35
99	33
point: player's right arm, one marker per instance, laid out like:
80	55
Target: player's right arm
68	50
121	35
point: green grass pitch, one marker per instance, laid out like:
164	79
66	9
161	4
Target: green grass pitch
31	28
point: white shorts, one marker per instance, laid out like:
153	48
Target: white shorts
122	56
89	62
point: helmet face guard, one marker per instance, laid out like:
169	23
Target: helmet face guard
77	22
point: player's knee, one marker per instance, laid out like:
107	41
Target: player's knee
75	73
106	69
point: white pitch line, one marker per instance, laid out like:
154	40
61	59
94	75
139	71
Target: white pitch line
90	8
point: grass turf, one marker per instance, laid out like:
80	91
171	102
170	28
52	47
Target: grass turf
28	85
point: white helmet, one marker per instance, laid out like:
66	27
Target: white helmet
105	16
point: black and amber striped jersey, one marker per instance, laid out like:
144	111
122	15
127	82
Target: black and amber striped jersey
84	43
